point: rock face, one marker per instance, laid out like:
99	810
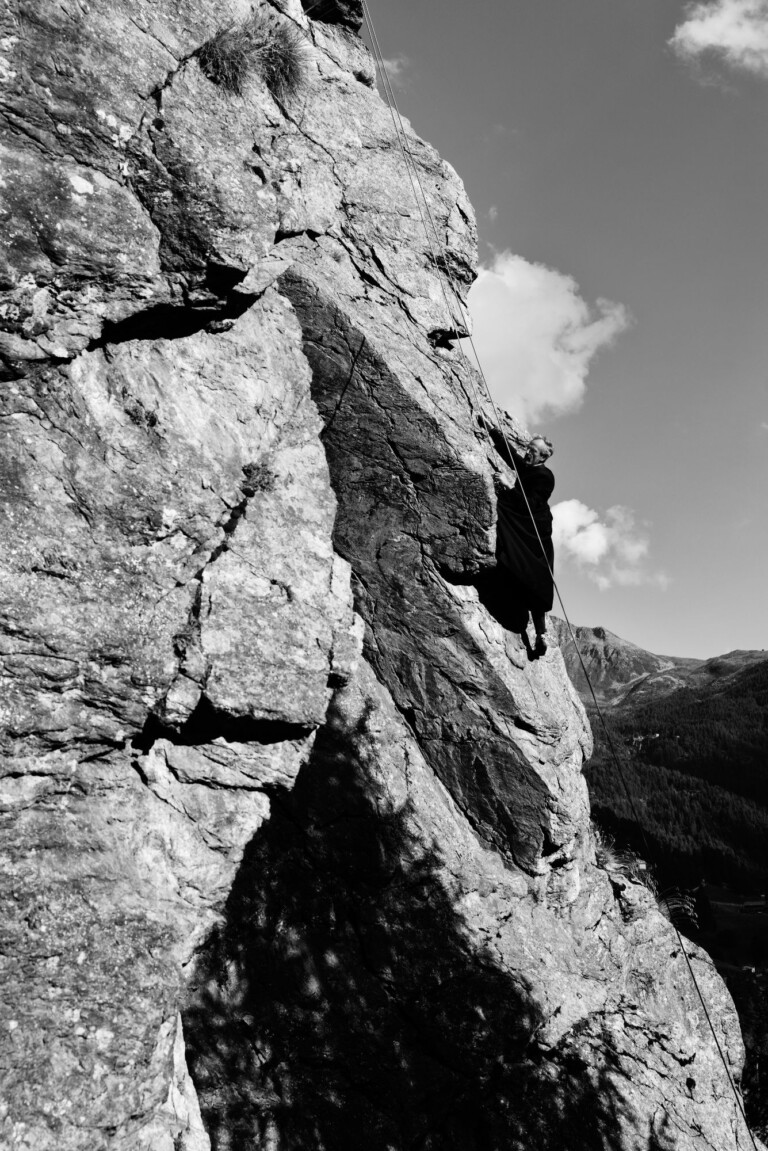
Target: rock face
283	803
349	12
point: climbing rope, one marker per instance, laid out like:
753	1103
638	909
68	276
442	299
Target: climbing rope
426	214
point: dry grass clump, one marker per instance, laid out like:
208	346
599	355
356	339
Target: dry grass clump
679	907
263	45
616	860
676	905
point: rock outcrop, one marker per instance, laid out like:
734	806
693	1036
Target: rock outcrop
284	803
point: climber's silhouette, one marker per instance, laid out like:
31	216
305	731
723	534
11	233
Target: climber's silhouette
524	532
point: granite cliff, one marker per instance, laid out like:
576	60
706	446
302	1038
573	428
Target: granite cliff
296	844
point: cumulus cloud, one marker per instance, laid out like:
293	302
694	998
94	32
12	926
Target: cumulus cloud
611	551
396	67
736	31
536	336
493	131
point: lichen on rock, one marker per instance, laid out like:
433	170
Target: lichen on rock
296	841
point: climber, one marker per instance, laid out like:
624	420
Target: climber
523	535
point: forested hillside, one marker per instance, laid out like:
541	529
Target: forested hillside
697	768
692	798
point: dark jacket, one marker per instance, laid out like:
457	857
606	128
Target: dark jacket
519	549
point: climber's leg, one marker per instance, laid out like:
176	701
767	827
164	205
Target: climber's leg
540	624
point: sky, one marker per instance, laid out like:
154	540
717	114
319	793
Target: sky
616	154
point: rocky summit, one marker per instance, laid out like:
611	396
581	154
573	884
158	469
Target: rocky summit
295	838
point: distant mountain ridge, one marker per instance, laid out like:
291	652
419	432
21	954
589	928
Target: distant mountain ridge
621	671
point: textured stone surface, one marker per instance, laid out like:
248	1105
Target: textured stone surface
349	12
230	404
389	982
153	487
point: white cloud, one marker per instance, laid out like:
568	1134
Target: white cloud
734	30
611	551
536	336
493	213
396	67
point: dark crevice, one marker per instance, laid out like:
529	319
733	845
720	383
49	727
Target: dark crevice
221	279
162	322
208	723
228	528
257	477
523	725
551	852
409	715
444	337
462	578
109	746
290	234
173	322
364	78
157	92
548	845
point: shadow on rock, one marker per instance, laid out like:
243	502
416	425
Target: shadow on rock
342	1005
505	600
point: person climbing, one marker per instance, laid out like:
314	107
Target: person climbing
524	534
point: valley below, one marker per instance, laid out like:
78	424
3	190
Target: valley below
689	796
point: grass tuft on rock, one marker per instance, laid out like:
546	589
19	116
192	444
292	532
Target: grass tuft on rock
263	45
616	860
675	904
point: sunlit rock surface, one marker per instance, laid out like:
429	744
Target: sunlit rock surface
296	841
